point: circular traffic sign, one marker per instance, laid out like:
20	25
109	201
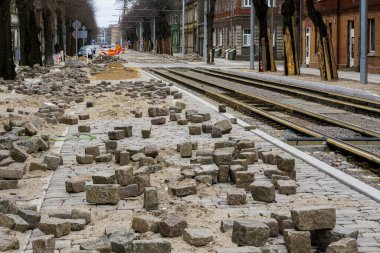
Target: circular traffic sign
77	24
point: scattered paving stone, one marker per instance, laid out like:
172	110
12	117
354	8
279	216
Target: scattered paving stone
151	199
124	158
263	191
216	132
37	166
104	158
30	129
8	206
236	196
124	175
285	162
84	159
250	233
345	245
44	244
151	151
209	170
156	246
247	249
244	179
205	179
198	236
196	118
116	135
143	224
54	226
185	188
314	217
272	225
195	130
327	236
77	224
111	146
223	156
31	217
52	162
172	226
13	171
122	242
297	241
287	187
18	154
84	116
146	132
8	242
104	178
84	129
186	149
182	122
142	181
233	170
70	120
158	121
103	194
8	184
127	129
75	185
276	178
224	125
94	151
222	108
6	221
102	245
19	224
130	191
224	173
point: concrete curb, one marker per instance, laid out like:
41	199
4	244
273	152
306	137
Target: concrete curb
342	177
309	84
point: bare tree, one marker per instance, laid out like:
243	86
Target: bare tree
291	65
266	57
7	66
47	6
326	55
30	45
210	31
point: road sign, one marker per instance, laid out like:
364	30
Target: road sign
77	24
80	34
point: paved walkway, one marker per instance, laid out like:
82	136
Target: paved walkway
209	207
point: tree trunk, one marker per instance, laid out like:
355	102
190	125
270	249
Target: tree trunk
48	35
291	65
30	48
69	40
327	62
210	32
7	66
60	31
266	58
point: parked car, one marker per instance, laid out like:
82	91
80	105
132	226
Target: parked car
86	51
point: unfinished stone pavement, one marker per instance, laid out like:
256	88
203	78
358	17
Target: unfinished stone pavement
162	184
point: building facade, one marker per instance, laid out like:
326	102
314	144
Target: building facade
343	19
232	27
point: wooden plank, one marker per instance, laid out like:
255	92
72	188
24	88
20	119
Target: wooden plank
321	58
295	53
332	55
290	64
327	60
272	63
264	54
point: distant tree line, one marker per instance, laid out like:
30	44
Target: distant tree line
29	14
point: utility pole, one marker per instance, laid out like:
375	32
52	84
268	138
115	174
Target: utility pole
183	27
154	35
363	42
252	46
205	30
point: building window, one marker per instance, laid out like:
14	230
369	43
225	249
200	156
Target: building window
246	37
371	40
246	3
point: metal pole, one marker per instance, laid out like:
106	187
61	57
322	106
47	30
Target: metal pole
154	35
252	46
205	30
183	27
76	41
141	39
363	42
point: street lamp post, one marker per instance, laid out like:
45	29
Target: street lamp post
183	27
252	46
363	42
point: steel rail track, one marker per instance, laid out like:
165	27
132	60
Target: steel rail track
241	106
339	100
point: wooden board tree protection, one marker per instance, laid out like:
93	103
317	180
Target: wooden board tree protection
266	57
291	65
326	57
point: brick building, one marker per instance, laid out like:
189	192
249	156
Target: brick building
232	27
343	19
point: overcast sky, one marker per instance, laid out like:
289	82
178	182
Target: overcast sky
105	9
